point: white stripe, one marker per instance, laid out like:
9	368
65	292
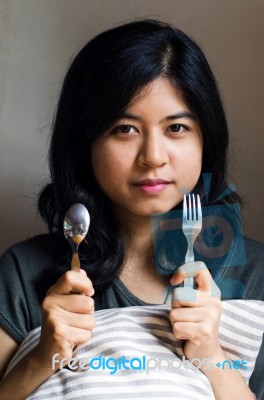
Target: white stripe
239	325
252	304
243	352
157	334
105	377
250	316
129	348
240	338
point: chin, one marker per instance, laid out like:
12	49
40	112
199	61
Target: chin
148	211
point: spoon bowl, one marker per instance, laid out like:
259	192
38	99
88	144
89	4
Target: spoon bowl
75	226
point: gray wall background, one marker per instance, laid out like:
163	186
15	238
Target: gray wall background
38	38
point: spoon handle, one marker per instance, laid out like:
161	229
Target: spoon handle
75	262
75	266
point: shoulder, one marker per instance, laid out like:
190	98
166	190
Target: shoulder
246	279
35	243
25	271
31	263
254	260
254	250
38	249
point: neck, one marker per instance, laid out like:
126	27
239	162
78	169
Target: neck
139	270
139	252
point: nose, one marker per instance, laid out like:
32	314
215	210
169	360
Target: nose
152	152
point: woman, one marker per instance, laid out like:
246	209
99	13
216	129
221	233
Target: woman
139	120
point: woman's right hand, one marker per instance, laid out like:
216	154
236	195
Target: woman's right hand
67	318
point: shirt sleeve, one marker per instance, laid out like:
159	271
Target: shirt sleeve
13	309
27	270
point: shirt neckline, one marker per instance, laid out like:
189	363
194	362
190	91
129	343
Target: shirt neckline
130	296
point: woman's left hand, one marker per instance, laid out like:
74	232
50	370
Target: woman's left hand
195	313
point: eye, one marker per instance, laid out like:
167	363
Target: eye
177	128
124	129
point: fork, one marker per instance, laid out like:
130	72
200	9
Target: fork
191	227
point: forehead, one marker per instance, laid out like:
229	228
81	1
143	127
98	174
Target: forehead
161	92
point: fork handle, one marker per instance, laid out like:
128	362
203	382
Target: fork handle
188	282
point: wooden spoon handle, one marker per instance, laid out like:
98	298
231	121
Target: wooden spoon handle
75	262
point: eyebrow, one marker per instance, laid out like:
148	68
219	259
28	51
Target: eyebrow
181	114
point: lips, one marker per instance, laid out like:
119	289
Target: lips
151	182
152	185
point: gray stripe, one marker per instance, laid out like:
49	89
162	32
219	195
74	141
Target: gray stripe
246	346
32	343
159	315
234	329
124	395
135	310
120	349
243	319
146	342
23	350
245	306
137	325
240	354
137	328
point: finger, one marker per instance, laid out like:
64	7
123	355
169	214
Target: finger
206	285
72	303
188	270
74	336
72	280
201	274
186	331
85	274
189	297
186	297
81	321
187	314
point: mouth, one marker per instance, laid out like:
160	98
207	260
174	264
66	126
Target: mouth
152	185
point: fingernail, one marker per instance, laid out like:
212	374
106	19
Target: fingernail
174	280
83	272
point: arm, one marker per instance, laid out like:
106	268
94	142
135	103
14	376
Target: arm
24	378
8	349
195	318
227	383
67	320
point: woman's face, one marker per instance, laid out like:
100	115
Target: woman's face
152	155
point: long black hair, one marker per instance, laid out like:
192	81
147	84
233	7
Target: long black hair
101	81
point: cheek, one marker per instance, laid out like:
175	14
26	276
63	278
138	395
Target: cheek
99	160
188	156
108	165
194	155
187	165
194	164
102	167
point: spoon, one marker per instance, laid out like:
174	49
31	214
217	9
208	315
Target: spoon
75	226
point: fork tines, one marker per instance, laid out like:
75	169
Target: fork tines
193	211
